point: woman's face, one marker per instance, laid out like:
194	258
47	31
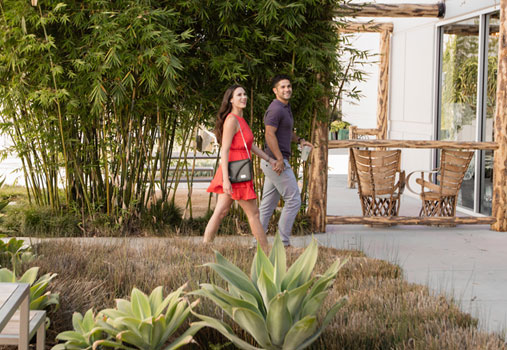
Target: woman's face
239	98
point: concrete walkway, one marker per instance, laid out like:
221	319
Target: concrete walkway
466	262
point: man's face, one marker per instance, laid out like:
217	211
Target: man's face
283	90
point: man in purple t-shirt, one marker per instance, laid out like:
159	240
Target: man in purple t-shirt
280	180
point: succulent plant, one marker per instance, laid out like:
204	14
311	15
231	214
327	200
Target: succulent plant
147	322
40	299
85	333
278	307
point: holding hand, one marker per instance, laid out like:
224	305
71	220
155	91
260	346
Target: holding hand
272	162
279	166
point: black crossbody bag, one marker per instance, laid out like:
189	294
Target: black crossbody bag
241	170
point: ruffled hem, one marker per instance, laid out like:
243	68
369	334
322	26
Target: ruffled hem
240	191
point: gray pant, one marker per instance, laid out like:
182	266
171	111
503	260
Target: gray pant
284	185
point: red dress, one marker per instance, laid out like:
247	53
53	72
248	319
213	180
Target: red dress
241	190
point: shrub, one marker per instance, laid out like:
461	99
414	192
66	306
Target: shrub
14	252
144	323
40	299
278	307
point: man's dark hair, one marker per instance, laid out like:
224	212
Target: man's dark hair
277	78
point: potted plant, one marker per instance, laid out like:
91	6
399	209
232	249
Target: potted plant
339	130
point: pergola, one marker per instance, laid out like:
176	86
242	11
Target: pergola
318	171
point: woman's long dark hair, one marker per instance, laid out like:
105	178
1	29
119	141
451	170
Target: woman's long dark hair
223	111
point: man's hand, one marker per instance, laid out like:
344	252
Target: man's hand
279	166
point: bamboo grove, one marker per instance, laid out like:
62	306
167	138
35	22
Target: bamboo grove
98	95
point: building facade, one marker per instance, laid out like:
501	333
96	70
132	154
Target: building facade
443	87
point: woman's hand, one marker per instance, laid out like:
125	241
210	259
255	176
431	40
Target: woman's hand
272	162
227	187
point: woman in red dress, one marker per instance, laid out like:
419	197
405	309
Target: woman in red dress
227	129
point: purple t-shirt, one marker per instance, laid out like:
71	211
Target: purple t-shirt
280	116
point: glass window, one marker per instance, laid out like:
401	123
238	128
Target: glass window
490	99
458	93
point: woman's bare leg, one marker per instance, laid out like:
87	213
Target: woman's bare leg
252	212
221	209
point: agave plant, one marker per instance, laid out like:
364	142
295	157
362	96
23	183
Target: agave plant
147	322
40	299
85	333
278	307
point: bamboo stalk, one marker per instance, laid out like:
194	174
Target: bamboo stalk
60	118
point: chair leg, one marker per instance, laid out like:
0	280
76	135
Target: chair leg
41	336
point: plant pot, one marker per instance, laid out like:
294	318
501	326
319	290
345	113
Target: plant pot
343	134
332	135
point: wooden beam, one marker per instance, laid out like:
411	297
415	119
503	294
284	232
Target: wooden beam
419	144
499	209
467	29
409	220
367	27
392	10
383	84
317	188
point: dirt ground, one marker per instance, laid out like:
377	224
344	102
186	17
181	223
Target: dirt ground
200	199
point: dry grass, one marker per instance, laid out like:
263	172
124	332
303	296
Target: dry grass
384	311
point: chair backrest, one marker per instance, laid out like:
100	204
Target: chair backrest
453	166
376	170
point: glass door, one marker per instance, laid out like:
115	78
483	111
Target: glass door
458	92
489	96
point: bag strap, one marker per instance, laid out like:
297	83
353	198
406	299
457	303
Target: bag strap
241	131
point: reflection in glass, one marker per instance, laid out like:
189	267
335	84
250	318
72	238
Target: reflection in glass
488	133
458	97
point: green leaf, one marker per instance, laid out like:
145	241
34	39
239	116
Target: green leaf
296	298
279	260
253	324
77	322
225	330
140	304
155	300
185	338
71	336
239	280
262	263
312	305
7	276
329	317
302	268
299	332
327	278
279	319
29	276
266	287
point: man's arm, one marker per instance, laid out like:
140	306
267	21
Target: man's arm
272	142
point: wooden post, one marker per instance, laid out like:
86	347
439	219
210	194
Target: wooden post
317	201
392	10
383	84
500	157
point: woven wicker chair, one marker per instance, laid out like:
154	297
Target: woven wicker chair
376	178
439	199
